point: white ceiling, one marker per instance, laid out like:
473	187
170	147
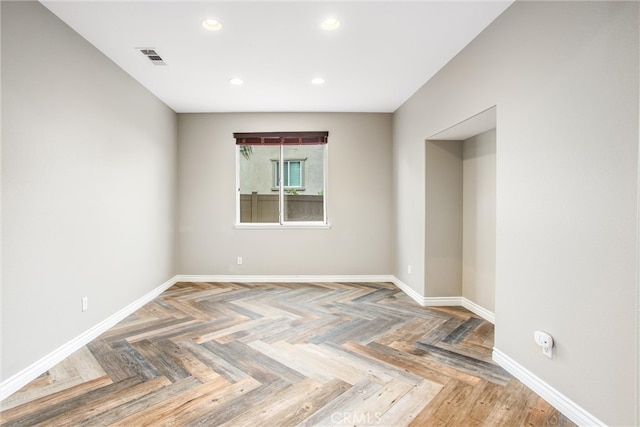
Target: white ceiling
382	53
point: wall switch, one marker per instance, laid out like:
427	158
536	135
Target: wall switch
85	303
239	260
409	269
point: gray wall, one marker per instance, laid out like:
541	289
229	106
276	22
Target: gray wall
358	195
564	77
460	223
443	218
479	219
88	186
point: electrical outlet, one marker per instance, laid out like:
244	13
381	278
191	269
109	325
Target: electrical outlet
409	269
85	303
548	351
239	260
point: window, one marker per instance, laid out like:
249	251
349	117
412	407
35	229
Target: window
292	178
281	178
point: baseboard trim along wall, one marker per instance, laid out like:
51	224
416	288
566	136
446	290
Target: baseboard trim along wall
24	377
479	310
573	411
445	301
425	301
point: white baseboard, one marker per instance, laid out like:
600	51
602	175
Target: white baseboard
409	291
570	409
479	310
425	301
441	301
445	301
284	278
22	378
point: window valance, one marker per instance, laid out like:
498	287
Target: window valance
281	138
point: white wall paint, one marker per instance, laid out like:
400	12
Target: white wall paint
479	219
564	77
359	199
88	186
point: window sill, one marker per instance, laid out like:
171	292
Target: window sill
271	226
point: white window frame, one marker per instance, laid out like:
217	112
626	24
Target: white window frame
282	224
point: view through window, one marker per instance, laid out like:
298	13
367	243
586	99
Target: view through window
281	178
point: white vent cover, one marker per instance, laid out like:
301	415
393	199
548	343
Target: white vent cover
152	55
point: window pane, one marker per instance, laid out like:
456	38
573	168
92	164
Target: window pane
295	180
285	180
304	199
259	202
276	173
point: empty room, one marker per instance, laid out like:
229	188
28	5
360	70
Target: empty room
301	213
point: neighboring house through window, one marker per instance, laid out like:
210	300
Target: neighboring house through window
292	174
281	178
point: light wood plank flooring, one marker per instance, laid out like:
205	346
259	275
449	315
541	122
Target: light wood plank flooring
284	354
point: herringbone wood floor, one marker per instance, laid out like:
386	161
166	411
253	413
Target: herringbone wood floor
275	354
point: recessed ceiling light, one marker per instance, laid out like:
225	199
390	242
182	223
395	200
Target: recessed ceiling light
330	24
236	81
318	81
212	24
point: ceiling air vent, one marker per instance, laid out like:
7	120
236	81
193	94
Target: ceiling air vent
152	55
